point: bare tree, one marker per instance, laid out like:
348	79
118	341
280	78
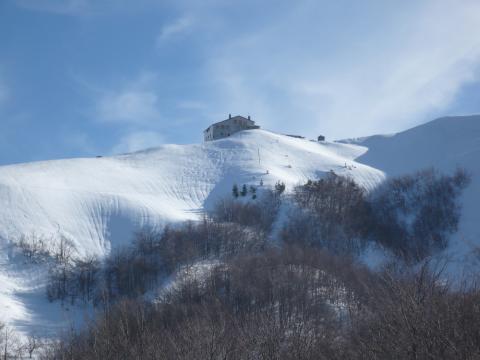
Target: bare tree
64	250
32	344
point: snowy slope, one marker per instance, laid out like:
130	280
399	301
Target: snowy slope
445	144
99	202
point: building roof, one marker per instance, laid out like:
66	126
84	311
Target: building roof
232	118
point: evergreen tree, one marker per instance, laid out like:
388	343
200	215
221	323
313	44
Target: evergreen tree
235	191
253	191
244	190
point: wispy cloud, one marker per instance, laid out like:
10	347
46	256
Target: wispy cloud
175	28
339	68
129	106
138	141
135	108
355	77
135	103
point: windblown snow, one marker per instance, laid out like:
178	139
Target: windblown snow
98	203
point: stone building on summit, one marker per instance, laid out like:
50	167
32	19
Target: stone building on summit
228	127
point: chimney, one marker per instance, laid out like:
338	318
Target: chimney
248	117
229	116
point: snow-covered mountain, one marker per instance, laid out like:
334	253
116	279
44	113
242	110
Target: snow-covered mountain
99	202
445	144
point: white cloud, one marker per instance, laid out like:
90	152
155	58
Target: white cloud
129	106
138	141
135	103
179	26
346	76
132	107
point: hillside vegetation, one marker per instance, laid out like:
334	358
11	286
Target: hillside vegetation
221	289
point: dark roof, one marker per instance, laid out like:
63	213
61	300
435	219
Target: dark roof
233	117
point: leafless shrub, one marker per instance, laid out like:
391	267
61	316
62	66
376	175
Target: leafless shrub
34	248
413	215
33	344
259	213
274	305
10	346
330	213
417	315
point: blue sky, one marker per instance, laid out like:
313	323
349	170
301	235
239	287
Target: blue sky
88	77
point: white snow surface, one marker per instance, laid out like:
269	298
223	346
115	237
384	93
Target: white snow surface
445	144
98	203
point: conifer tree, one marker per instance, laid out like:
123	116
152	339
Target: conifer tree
253	191
244	190
235	191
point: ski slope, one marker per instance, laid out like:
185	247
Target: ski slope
98	203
